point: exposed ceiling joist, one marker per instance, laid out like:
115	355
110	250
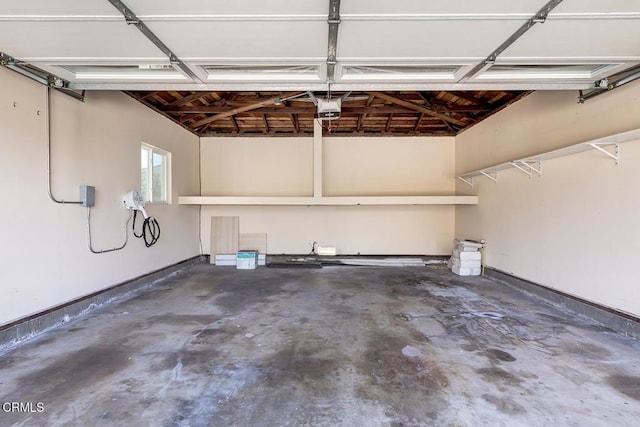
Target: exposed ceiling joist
233	111
190	98
260	113
213	109
413	106
467	96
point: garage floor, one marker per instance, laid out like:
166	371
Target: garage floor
337	346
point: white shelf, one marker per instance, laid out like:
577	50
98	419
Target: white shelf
608	146
328	201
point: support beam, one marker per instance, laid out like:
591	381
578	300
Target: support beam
388	126
334	22
418	123
190	98
476	101
296	124
157	110
538	18
243	109
392	109
317	159
235	124
131	19
413	106
147	95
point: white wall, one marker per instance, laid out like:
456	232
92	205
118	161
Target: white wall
351	166
44	260
575	229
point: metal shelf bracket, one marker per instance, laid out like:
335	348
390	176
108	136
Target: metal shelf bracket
493	176
525	170
534	167
616	150
469	181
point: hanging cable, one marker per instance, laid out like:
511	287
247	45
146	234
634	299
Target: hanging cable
48	117
102	251
150	230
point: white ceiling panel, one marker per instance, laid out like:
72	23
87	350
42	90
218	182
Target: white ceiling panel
228	7
582	38
75	40
441	39
596	6
255	39
440	7
57	7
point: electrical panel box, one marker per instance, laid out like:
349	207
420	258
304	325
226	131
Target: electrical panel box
87	196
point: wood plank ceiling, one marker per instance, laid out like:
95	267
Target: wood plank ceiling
405	113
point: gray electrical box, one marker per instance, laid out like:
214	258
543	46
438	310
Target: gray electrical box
87	196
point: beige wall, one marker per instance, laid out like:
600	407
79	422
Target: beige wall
574	229
44	257
257	166
388	166
351	166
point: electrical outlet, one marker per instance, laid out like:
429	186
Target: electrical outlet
87	196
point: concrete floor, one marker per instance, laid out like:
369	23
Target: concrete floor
348	346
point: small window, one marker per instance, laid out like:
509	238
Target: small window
155	176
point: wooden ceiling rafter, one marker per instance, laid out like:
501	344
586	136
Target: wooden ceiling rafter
233	111
416	107
473	99
271	113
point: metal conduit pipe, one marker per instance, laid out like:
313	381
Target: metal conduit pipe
48	118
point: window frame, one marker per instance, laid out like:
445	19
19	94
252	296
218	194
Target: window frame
166	190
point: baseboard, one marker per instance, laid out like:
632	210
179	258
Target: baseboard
26	328
615	320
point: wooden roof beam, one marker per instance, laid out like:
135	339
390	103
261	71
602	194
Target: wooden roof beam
145	96
418	123
294	120
388	126
311	109
234	111
473	99
235	124
413	106
190	98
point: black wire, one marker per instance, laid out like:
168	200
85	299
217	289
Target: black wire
133	227
153	227
150	230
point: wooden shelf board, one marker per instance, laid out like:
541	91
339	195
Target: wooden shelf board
328	201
